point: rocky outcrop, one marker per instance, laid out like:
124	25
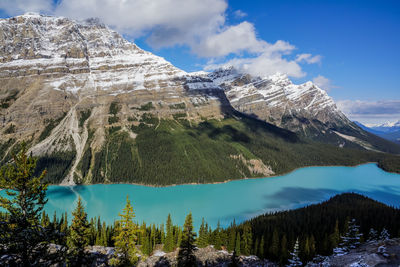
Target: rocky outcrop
374	253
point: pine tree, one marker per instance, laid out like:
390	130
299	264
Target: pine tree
256	246
305	249
384	235
217	239
275	244
234	260
284	249
247	240
186	256
64	229
237	244
21	235
179	235
231	240
162	234
169	238
44	220
78	237
146	246
335	236
294	256
372	235
312	246
350	240
153	238
201	240
126	237
261	250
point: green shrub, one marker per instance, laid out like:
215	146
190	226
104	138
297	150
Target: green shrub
114	108
51	124
147	107
10	129
84	115
178	106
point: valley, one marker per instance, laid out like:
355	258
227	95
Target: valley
98	109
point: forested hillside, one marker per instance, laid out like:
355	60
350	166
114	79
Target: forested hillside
166	152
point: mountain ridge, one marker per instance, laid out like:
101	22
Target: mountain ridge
85	100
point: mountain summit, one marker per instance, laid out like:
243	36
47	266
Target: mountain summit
97	108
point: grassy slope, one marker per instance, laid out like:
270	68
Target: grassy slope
179	152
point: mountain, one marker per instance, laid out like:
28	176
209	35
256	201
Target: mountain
305	109
387	127
387	131
98	109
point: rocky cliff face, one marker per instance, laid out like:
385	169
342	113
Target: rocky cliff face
55	69
65	84
275	99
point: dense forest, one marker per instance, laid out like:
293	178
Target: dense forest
318	228
179	151
338	224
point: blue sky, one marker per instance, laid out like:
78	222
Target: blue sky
350	48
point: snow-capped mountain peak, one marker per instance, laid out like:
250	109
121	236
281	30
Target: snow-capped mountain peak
79	55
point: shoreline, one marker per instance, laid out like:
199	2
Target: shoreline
226	181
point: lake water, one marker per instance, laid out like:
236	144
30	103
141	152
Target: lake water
239	200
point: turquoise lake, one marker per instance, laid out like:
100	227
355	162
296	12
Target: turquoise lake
239	200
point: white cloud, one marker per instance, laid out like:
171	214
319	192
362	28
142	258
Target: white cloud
18	7
308	58
323	83
371	111
169	22
239	14
268	61
265	58
234	39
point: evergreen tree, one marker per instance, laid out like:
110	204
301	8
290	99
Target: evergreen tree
146	244
22	237
153	240
78	237
294	256
275	244
237	244
284	249
261	250
335	236
162	234
186	256
247	240
384	235
372	235
312	246
350	240
234	260
126	237
179	235
217	238
169	238
232	240
256	246
201	240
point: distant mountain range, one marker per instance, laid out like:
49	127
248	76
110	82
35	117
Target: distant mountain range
389	130
98	109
